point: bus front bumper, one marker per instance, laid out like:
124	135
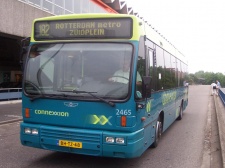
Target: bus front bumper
82	141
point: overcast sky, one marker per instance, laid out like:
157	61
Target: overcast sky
195	27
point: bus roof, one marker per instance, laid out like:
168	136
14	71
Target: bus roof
155	37
140	28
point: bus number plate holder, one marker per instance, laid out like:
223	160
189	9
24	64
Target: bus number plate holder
70	144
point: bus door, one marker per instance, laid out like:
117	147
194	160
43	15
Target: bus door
144	100
150	71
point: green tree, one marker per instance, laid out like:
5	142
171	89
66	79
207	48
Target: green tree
208	78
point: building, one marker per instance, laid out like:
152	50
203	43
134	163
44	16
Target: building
16	19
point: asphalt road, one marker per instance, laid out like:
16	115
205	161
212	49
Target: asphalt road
181	146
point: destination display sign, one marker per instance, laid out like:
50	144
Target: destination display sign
107	28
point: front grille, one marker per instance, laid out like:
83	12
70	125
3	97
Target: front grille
71	134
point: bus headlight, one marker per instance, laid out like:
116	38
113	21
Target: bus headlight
109	139
34	132
27	130
120	140
116	140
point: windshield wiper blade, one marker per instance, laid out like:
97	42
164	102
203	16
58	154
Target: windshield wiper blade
93	95
36	97
66	96
47	96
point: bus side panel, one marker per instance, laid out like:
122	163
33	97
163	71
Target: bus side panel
149	134
168	102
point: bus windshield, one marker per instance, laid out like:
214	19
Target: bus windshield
76	69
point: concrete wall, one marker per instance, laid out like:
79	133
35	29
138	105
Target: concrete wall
16	17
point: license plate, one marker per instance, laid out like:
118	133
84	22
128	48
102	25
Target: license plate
70	144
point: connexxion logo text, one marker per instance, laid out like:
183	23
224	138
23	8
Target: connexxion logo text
52	113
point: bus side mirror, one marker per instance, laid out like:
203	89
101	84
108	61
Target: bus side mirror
23	56
146	86
23	50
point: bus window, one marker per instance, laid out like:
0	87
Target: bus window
151	69
179	83
160	68
168	75
67	67
140	67
139	74
174	71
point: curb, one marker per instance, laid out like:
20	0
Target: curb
221	127
10	121
11	102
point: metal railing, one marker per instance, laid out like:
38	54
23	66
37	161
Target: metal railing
222	95
10	94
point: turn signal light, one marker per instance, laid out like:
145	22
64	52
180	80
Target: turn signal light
123	121
27	113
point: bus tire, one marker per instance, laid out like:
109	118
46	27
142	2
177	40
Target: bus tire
158	133
181	112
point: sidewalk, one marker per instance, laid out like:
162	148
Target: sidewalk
10	111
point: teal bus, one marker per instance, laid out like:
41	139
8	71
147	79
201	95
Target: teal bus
103	85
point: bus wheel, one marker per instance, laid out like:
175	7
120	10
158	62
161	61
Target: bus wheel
158	133
181	112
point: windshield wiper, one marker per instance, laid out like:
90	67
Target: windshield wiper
66	96
48	96
91	93
36	97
